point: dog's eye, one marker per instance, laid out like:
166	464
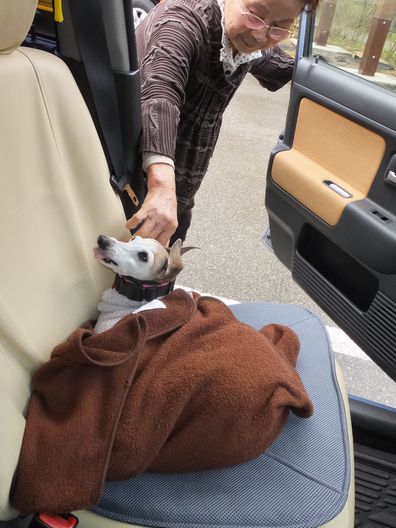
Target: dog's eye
143	256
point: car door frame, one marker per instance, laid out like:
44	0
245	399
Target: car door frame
348	268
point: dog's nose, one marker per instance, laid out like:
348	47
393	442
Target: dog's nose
103	241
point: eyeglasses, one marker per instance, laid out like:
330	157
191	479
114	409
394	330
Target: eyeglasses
254	22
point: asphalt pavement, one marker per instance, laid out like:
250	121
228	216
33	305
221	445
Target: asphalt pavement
229	221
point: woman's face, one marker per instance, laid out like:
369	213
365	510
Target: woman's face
279	13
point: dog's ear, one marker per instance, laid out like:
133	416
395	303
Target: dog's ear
187	248
175	263
183	249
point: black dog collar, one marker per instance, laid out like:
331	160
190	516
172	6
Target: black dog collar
140	291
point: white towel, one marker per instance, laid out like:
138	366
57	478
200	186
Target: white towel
114	306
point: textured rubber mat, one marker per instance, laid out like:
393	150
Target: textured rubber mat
375	480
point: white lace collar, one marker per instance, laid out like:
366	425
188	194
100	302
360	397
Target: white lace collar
231	63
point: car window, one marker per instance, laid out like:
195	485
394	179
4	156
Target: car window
358	36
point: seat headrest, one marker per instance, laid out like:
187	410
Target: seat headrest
16	17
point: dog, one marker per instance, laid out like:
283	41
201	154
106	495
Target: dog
145	271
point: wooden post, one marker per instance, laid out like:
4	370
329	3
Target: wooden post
379	29
328	8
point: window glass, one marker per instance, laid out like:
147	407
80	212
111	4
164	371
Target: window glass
358	36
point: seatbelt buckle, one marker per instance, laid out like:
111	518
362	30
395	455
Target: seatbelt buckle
124	186
53	520
128	189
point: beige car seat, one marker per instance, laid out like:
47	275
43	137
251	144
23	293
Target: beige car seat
55	201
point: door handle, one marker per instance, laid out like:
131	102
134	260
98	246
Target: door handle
390	172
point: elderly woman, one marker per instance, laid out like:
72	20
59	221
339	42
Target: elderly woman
194	54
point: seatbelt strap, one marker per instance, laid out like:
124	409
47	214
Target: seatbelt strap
91	39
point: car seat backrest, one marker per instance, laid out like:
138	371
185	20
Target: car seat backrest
55	199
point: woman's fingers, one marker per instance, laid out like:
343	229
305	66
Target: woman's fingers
157	217
137	218
164	238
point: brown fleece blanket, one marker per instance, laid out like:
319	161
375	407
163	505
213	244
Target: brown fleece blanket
186	388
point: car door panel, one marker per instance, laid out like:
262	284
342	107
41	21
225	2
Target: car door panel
332	211
349	156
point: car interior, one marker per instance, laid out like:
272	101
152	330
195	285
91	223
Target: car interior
334	470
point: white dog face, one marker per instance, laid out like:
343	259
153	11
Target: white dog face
141	258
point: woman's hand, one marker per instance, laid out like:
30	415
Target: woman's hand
159	209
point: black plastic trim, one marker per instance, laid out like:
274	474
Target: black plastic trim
374	425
